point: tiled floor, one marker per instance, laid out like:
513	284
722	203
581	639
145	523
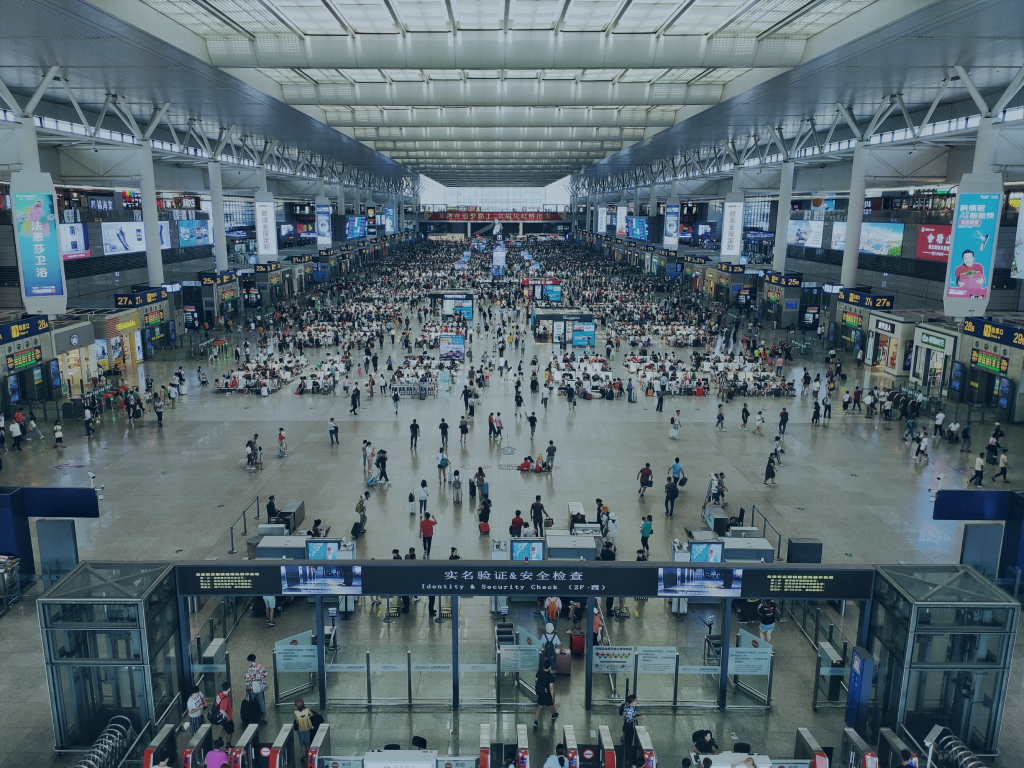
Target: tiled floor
172	493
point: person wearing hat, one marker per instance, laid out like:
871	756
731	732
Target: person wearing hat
598	623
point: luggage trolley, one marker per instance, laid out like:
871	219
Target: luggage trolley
194	754
243	754
320	745
163	745
282	751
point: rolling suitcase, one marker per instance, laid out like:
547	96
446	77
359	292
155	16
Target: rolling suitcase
485	529
357	529
485	489
563	664
577	642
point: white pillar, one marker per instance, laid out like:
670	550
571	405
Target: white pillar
150	220
262	178
985	146
469	230
652	204
737	178
358	201
321	190
341	199
220	239
28	144
854	215
782	220
520	229
636	201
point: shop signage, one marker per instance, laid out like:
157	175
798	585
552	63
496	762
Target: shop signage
1003	334
140	299
884	327
155	317
984	360
933	341
26	358
191	316
19	329
495	216
933	242
866	300
656	659
301	259
852	319
791	280
218	278
126	324
271	267
736	269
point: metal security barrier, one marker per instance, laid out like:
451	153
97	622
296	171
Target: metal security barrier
111	746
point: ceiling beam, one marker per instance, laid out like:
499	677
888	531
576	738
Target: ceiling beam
979	100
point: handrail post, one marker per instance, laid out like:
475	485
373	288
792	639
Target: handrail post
231	530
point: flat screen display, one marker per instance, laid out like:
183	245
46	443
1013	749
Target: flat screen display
321	580
355	227
123	237
526	549
706	551
636	227
956	376
322	549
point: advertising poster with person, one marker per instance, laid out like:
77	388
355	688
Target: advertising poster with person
35	230
671	238
970	262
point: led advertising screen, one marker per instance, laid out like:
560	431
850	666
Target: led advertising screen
671	237
700	582
933	242
453	347
323	225
971	253
553	293
194	233
123	237
620	220
498	260
805	233
878	238
388	219
584	334
36	236
636	227
526	549
74	241
355	227
321	580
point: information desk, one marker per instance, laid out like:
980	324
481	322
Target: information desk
292	514
727	759
576	507
562	545
749	550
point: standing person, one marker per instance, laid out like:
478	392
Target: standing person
671	494
16	435
532	421
515	530
676	470
766	612
646	529
88	421
783	421
922	448
759	424
395	398
1004	466
826	404
816	416
940	418
544	396
332	431
427	532
596	626
551	455
58	435
442	465
223	703
463	431
778	451
979	470
720	419
353	401
422	494
443	427
544	685
158	409
769	470
552	610
537	516
744	415
414	434
196	705
644	476
629	720
256	684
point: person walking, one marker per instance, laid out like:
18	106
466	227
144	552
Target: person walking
443	428
303	726
532	421
783	421
395	398
1004	466
646	529
538	515
744	416
826	404
644	476
223	703
979	470
671	494
551	449
766	613
720	419
769	470
58	435
463	431
256	684
422	494
759	424
630	720
196	706
158	409
16	428
544	687
427	533
88	421
332	431
442	465
676	470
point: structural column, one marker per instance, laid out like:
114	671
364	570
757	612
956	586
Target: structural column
985	146
341	199
28	144
737	178
652	204
220	239
782	220
636	201
262	178
150	222
854	215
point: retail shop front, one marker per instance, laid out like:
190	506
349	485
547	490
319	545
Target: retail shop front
73	349
989	367
729	281
935	345
220	296
891	341
780	298
28	368
118	339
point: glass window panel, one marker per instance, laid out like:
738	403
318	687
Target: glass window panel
962	616
58	614
108	645
987	648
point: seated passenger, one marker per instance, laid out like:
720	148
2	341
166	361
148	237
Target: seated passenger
527	465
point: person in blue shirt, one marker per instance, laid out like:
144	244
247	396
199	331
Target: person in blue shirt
676	470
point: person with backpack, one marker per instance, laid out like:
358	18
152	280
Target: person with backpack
224	713
381	462
544	685
361	510
306	723
552	610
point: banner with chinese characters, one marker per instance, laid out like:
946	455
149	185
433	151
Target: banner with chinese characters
496	216
37	241
266	229
732	230
972	249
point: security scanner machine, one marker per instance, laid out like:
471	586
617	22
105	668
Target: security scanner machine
194	754
163	745
278	547
563	545
738	550
855	752
243	753
282	751
292	514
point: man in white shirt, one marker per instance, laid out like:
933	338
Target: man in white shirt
979	470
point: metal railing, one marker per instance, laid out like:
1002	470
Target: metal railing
112	746
245	526
765	525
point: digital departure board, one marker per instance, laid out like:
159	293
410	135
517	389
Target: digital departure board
808	583
26	358
229	580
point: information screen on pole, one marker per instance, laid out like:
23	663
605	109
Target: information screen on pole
355	227
453	347
498	260
671	237
584	334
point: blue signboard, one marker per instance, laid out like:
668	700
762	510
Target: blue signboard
194	232
671	225
973	246
35	231
584	334
355	227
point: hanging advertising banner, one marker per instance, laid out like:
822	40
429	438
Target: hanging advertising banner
620	220
498	262
1017	265
323	224
972	249
732	230
266	229
37	241
933	242
671	236
389	220
602	219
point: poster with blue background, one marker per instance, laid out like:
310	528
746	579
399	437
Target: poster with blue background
35	228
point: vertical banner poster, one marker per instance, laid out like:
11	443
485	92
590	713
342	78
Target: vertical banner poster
973	244
671	237
1017	266
732	230
323	225
266	229
602	219
620	220
37	241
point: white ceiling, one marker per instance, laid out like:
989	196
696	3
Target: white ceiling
507	92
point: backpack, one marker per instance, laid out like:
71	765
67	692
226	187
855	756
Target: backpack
360	505
216	716
412	498
552	610
549	647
